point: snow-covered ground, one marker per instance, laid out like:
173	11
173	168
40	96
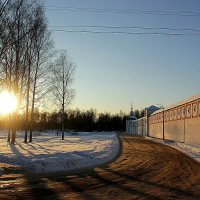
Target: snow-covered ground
192	150
49	153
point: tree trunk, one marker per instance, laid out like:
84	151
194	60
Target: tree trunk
26	134
13	137
9	127
63	105
32	117
33	97
63	127
27	104
16	82
8	140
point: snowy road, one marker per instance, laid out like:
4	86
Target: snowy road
144	170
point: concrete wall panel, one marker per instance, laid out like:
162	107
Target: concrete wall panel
155	130
192	131
174	130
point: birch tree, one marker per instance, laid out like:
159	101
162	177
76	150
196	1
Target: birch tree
62	78
43	48
24	41
12	53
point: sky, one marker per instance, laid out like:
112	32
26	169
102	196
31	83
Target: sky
114	70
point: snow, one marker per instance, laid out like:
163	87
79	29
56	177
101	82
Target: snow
48	153
192	150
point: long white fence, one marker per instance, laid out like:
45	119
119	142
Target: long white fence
137	127
179	122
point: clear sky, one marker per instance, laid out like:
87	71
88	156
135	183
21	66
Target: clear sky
115	69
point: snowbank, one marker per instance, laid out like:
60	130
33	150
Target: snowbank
192	150
48	153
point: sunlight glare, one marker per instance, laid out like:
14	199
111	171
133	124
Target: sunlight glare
8	102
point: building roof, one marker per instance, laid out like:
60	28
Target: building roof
185	101
152	107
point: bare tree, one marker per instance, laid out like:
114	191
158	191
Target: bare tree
31	60
43	46
23	41
62	78
13	21
22	10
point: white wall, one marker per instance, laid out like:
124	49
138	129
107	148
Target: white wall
181	123
137	127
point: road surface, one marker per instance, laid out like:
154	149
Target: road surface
143	170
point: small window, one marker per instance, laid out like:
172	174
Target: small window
175	114
194	109
183	113
179	113
188	111
171	115
165	116
167	119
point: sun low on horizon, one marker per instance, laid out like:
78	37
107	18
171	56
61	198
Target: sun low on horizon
8	102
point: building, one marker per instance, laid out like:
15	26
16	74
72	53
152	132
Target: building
177	122
130	121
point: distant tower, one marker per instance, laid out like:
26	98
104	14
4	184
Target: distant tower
131	121
132	115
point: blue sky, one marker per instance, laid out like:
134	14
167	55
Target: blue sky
113	70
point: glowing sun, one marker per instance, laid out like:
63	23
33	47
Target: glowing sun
8	102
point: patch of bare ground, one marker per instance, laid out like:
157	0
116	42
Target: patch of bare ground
143	170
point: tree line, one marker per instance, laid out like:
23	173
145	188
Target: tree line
74	120
30	67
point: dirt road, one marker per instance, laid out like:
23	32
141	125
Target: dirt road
144	170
